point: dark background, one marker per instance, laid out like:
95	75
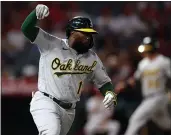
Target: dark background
121	25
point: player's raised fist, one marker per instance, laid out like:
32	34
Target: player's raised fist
42	11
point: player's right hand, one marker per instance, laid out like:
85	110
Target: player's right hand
42	11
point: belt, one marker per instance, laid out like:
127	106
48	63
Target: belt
60	103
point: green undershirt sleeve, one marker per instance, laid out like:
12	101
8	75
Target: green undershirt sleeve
106	88
29	28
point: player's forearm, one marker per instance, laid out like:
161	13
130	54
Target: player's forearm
29	28
108	87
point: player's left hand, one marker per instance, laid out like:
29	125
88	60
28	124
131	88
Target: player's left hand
110	100
42	11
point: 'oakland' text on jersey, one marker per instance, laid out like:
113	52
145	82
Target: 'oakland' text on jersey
63	72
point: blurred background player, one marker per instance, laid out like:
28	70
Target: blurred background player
154	73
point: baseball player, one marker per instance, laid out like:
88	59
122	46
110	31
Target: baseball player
154	70
64	66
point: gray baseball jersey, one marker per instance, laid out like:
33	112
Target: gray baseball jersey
62	72
154	74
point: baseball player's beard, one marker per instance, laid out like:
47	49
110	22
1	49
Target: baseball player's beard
81	48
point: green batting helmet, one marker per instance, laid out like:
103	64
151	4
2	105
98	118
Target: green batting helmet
79	23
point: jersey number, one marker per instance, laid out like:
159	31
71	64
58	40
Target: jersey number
79	87
153	84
